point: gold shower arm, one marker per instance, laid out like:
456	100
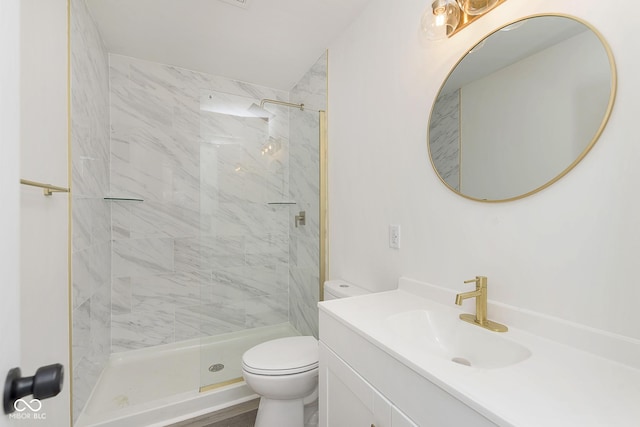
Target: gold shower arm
286	104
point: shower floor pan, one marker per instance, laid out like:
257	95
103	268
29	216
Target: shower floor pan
165	384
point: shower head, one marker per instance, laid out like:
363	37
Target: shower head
258	111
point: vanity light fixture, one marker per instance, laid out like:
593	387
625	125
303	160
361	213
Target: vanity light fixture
446	17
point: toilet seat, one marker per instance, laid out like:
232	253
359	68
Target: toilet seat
284	356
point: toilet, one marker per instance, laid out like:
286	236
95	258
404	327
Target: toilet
284	371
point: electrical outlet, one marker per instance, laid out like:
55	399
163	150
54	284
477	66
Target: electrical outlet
394	236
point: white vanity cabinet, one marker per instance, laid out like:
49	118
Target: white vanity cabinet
361	385
380	365
350	401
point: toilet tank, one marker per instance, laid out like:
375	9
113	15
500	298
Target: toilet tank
334	289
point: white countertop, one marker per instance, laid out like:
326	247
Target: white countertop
557	385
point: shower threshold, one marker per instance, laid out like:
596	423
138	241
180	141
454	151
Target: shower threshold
160	385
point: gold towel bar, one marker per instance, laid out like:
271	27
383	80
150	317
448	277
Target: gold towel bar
48	188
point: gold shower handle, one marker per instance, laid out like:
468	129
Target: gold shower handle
300	219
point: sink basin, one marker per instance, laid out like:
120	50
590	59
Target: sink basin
443	334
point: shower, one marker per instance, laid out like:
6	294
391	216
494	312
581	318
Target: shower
185	248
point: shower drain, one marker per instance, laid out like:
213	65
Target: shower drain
216	367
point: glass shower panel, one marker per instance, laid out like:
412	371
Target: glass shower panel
244	225
307	186
304	241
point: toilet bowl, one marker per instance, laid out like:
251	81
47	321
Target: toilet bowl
284	371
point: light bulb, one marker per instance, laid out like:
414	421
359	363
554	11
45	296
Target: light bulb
441	19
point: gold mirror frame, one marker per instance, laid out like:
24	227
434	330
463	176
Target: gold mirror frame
603	124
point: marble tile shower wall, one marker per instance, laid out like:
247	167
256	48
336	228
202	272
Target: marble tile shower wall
444	135
91	228
304	177
204	253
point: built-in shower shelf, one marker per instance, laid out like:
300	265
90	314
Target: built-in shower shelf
281	203
124	199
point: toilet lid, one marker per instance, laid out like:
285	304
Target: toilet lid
283	356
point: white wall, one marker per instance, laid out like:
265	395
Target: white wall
44	220
9	188
570	251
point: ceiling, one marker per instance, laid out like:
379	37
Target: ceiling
510	45
270	42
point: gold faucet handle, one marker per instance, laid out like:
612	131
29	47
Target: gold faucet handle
480	281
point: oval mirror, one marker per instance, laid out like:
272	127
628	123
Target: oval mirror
522	108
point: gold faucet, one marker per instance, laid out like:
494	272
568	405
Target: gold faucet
480	294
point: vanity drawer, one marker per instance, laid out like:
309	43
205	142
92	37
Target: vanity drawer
421	401
349	400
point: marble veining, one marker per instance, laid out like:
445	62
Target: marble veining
81	334
153	219
444	138
91	215
267	311
165	291
209	320
304	188
141	329
136	257
202	251
121	295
